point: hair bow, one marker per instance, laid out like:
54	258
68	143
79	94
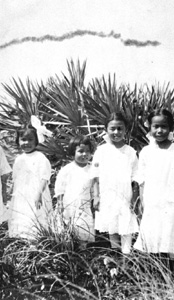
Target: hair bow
42	131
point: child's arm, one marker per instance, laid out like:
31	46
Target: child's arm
5	171
96	202
135	195
38	200
4	179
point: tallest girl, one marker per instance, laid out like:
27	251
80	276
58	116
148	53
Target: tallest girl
115	168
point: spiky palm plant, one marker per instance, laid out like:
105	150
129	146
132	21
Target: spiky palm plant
23	101
68	107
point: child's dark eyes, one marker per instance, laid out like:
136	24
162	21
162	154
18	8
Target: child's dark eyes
81	152
161	126
118	128
27	140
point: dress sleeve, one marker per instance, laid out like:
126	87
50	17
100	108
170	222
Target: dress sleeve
4	165
61	181
95	164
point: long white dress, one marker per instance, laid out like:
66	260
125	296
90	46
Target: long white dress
75	184
116	169
28	171
4	169
156	171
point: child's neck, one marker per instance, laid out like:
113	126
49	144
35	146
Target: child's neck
118	144
164	144
30	152
80	165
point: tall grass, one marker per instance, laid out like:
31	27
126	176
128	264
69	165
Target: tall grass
53	266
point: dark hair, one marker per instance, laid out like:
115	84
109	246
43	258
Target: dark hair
77	141
26	131
162	112
118	116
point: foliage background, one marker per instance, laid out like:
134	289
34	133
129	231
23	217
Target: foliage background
67	106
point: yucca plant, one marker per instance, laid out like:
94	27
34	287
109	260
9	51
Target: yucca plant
23	101
22	104
66	105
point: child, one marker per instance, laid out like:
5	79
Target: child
4	170
73	189
156	177
115	189
31	201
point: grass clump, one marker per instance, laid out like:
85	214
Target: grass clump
52	268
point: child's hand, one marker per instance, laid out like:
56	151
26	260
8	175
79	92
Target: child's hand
96	203
133	204
60	208
7	205
135	196
38	202
4	197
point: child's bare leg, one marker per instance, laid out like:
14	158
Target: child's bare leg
115	240
126	244
116	246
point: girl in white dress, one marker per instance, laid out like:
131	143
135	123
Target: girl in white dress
116	189
31	201
73	189
156	177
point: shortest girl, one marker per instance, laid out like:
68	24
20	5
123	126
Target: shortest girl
115	168
73	189
31	202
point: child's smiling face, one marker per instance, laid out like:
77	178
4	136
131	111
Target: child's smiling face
82	155
160	128
28	142
116	131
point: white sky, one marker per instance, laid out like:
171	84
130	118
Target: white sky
140	20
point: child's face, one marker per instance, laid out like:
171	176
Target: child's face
27	142
116	131
82	155
160	128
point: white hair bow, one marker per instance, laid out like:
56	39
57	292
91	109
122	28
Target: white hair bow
42	131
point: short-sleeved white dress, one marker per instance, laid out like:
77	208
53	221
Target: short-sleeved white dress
75	184
156	171
116	169
4	169
28	171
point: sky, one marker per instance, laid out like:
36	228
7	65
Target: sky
133	39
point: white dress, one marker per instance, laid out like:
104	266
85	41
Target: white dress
28	171
116	169
156	171
4	169
75	184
